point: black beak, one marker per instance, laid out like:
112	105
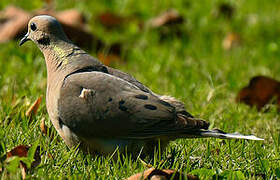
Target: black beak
24	39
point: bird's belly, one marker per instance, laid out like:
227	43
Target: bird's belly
107	146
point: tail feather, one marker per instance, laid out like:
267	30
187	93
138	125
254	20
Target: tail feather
220	134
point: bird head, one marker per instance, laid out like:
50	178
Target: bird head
44	30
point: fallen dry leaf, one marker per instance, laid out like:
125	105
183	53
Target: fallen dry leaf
22	151
111	20
231	40
47	131
156	174
14	23
11	12
167	18
108	59
32	110
260	91
43	127
168	25
111	54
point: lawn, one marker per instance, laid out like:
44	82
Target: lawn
192	66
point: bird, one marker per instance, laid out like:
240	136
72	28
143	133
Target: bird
100	109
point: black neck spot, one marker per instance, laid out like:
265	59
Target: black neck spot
44	41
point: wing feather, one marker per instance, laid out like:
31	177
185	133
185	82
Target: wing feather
97	104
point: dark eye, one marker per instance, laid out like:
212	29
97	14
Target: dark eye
33	26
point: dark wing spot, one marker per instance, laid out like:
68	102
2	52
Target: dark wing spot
150	107
121	102
123	108
164	103
44	41
110	99
141	96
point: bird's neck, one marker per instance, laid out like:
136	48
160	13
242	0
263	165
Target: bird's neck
63	58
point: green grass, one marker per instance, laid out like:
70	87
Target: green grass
190	68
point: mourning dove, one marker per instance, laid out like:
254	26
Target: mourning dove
100	108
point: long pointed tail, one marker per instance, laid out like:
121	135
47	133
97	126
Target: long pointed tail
223	135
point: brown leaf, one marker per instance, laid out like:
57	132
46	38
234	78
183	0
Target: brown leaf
110	20
111	54
46	130
108	59
22	151
156	174
32	110
168	25
13	24
260	91
71	17
231	40
167	18
43	127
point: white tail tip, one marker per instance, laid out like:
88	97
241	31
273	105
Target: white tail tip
220	134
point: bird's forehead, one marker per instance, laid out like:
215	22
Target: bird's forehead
44	22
